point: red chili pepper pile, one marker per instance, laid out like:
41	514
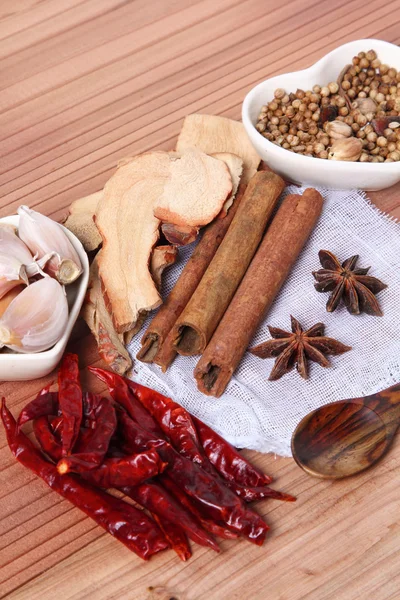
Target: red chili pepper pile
191	482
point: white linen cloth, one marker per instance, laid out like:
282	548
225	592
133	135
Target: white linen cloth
260	414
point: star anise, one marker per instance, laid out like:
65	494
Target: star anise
349	284
297	348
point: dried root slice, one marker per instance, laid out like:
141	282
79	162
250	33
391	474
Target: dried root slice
212	134
185	190
110	344
81	223
180	236
161	258
235	166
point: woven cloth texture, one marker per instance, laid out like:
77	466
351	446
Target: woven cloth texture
260	414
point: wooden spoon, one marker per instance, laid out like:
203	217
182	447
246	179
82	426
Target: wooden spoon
346	437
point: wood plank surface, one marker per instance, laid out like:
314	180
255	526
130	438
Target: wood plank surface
84	83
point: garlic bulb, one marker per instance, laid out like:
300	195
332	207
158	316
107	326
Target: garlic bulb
36	319
44	236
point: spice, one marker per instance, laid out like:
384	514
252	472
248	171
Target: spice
176	537
129	525
228	462
276	255
208	524
348	283
70	401
161	188
91	449
215	500
345	149
117	472
157	342
43	236
365	92
155	498
178	425
24	330
163	466
295	348
195	326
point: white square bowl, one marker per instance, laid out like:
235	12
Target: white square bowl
306	169
20	367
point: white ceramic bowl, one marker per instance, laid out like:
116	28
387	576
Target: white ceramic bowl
19	367
306	169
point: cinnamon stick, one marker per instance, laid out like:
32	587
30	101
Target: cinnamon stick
194	328
269	269
156	343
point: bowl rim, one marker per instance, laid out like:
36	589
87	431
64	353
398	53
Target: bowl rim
59	347
329	164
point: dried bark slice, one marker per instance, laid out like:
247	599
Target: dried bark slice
80	221
110	344
183	189
213	134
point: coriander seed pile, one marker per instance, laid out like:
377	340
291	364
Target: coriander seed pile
355	118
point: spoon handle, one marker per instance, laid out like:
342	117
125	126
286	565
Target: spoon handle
387	405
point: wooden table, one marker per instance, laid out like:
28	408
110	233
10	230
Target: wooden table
84	83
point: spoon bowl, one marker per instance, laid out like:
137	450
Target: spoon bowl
344	438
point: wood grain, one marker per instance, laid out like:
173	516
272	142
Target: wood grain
83	84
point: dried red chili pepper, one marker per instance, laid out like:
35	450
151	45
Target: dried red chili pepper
176	537
117	472
216	500
45	404
120	391
207	524
91	447
150	495
47	440
70	401
56	425
159	501
129	525
176	422
227	461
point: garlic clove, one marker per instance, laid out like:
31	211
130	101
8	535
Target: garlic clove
11	244
365	105
338	130
348	149
36	319
6	300
43	236
12	273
